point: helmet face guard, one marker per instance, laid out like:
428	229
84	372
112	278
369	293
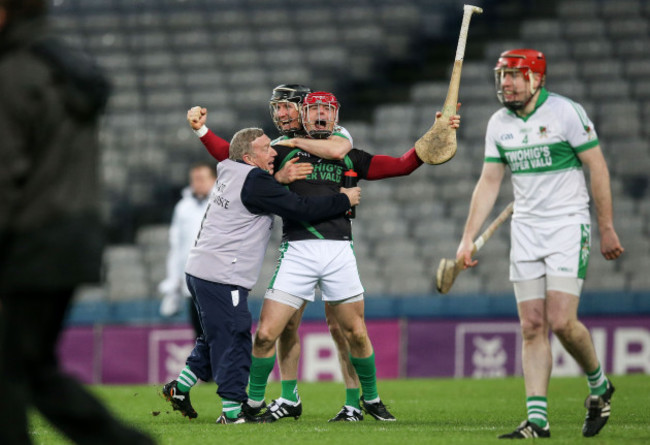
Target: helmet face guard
320	114
284	107
519	62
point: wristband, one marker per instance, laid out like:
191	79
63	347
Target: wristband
201	131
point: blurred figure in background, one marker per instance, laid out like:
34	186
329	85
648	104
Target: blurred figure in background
186	222
50	232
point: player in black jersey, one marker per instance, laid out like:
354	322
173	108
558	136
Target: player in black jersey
285	112
335	232
320	254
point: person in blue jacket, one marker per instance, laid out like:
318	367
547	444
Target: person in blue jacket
226	261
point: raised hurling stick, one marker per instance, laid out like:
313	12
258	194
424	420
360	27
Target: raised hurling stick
449	268
438	145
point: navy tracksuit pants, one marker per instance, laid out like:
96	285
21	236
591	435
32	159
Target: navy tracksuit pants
223	352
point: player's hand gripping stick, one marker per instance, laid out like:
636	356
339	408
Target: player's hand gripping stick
449	268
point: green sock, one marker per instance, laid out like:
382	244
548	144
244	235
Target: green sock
231	408
352	397
186	379
290	390
537	410
597	382
367	373
260	370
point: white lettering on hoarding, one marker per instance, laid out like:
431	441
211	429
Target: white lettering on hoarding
631	350
564	365
320	358
489	357
497	332
171	344
175	361
489	354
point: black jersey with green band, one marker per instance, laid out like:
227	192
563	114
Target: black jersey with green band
326	179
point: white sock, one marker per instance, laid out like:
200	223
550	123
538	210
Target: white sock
255	403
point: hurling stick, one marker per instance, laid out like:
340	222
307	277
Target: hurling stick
449	268
438	145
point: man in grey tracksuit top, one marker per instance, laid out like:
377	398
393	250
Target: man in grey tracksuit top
226	261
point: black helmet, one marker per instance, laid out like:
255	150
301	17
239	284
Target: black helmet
288	93
292	92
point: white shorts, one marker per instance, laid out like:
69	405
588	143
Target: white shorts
537	288
549	251
328	264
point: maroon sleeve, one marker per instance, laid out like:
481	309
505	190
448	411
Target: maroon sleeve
382	166
216	146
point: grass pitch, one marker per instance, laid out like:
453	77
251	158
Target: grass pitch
428	411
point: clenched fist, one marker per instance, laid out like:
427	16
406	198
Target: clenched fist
197	116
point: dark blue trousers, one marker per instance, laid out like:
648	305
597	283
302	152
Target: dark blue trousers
223	352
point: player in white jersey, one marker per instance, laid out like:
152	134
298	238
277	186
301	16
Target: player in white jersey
545	139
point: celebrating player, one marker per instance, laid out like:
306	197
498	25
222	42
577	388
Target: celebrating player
286	117
225	263
285	110
545	139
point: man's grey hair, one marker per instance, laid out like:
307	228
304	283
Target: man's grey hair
241	143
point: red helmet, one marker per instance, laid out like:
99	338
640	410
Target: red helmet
322	97
528	62
320	114
524	59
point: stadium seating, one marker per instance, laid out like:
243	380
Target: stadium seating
165	56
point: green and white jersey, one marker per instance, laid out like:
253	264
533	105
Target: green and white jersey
542	153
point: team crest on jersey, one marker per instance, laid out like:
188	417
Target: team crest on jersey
543	132
589	131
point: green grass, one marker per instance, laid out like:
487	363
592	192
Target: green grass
431	411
